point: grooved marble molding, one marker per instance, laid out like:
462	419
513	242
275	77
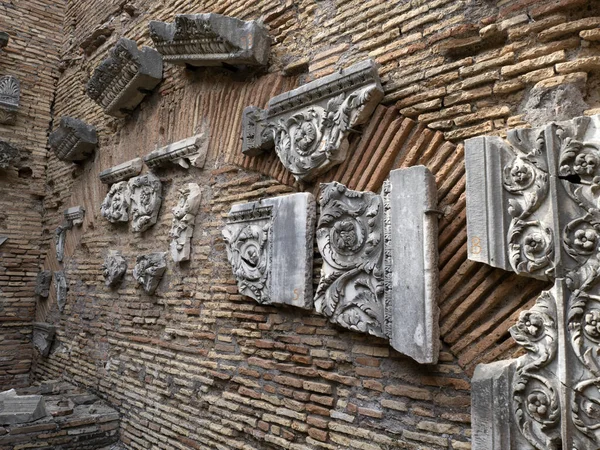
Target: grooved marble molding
270	249
184	218
379	273
73	140
211	40
532	208
10	94
309	126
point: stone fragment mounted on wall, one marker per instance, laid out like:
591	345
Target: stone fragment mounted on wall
149	270
16	409
379	273
43	336
211	40
8	154
3	239
309	126
4	38
42	284
75	215
73	140
59	239
121	81
270	249
122	171
115	207
532	208
60	283
114	268
187	152
10	94
146	197
184	218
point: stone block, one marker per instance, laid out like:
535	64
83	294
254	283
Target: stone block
120	82
211	40
75	215
42	285
115	207
309	126
10	94
114	268
16	409
4	38
270	249
149	270
184	221
146	198
60	284
121	172
379	273
43	336
190	151
73	140
9	154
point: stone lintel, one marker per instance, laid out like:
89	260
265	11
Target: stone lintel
43	335
121	172
73	140
75	215
189	151
10	94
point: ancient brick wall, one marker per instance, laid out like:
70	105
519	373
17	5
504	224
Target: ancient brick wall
32	56
199	366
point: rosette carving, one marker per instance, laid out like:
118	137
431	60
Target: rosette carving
585	407
531	247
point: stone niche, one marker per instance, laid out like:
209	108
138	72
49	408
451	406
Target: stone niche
184	220
73	140
270	249
309	126
121	81
379	273
149	269
114	268
43	336
146	198
9	154
185	153
532	208
10	94
211	40
42	284
60	284
75	215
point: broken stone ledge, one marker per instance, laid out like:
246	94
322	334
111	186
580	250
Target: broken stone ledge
73	140
189	151
123	171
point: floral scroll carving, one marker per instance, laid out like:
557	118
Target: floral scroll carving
114	268
146	191
149	269
115	207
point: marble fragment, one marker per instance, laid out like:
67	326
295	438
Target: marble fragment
184	218
60	284
185	153
114	268
122	172
4	38
73	140
43	336
10	94
3	239
42	285
146	198
8	154
149	269
16	409
75	215
59	239
115	207
270	249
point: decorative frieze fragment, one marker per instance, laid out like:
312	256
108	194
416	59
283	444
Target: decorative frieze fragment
379	273
211	40
8	154
43	335
122	172
309	126
42	284
121	81
114	268
60	284
10	94
59	239
73	140
115	207
184	217
75	215
270	249
190	151
149	270
146	197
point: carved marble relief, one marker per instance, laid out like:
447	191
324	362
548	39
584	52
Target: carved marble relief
59	239
42	284
43	336
73	140
115	207
8	154
149	270
121	81
184	218
379	273
146	197
60	284
211	40
114	268
187	152
532	208
75	215
122	171
10	94
270	249
309	126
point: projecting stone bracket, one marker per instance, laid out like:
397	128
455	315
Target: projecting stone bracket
211	40
121	81
122	172
10	94
75	215
190	151
309	126
73	140
43	336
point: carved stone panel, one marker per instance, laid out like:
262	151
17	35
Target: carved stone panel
59	239
270	249
211	40
43	336
146	197
190	151
149	270
379	273
121	81
122	171
114	268
184	219
8	154
73	140
309	126
115	207
60	284
10	94
75	215
42	284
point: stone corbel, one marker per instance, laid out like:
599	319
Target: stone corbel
121	172
75	215
190	151
309	126
9	154
211	40
10	94
121	81
43	336
73	140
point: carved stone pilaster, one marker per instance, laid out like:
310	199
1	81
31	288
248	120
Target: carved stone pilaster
115	207
122	171
60	284
59	239
211	40
73	140
114	268
42	284
10	94
149	270
270	249
146	197
190	151
379	273
43	336
75	215
8	154
121	81
309	126
184	219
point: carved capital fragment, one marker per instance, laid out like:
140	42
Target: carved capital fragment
73	140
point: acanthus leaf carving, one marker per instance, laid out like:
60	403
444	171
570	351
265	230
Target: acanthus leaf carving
116	204
146	198
114	268
149	269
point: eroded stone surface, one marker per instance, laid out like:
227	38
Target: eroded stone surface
75	215
114	268
10	94
309	126
184	218
15	409
42	285
121	81
8	154
146	197
59	239
211	39
60	284
43	336
149	270
4	38
122	171
115	207
270	248
190	151
73	140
